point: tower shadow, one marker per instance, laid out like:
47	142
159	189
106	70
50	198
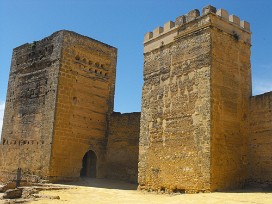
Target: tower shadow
102	183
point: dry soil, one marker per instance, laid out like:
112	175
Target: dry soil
100	191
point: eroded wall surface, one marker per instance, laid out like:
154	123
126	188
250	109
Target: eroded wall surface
84	102
123	146
30	108
197	86
175	123
231	91
260	140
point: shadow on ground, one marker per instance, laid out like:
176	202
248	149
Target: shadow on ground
121	185
102	183
252	188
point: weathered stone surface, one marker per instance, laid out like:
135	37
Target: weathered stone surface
234	19
260	140
223	13
30	103
180	20
208	9
168	26
201	129
245	25
192	15
123	146
7	186
175	125
231	91
84	103
13	193
194	107
60	97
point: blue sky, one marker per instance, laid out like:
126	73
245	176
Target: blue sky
123	23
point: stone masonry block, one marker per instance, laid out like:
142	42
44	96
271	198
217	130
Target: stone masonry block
180	20
245	25
192	15
208	9
223	13
148	36
157	31
234	19
169	25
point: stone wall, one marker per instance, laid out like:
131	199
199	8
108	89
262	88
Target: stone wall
123	146
60	97
260	141
30	108
231	90
200	128
175	122
84	102
195	104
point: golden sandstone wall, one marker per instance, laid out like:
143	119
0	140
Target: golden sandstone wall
200	130
60	97
30	104
84	103
123	146
260	141
231	91
175	123
195	103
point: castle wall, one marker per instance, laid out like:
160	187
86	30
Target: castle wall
200	129
30	108
175	123
231	90
84	102
194	125
260	141
123	146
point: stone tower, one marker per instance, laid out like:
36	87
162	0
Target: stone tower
195	103
60	95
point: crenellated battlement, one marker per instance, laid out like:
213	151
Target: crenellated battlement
171	27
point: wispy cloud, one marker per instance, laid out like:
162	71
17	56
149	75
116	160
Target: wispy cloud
2	108
261	86
266	66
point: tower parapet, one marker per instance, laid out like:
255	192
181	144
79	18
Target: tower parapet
166	34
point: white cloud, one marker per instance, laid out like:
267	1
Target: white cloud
261	86
266	66
2	108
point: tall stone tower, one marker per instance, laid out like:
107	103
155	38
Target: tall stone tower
60	94
195	103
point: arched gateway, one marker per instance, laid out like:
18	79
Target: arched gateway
89	165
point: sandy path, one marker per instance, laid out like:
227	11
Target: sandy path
107	191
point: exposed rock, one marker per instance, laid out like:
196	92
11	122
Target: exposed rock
13	193
9	185
28	192
46	196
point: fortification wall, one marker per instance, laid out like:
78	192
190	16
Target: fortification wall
175	122
30	108
231	90
191	67
123	146
260	141
85	100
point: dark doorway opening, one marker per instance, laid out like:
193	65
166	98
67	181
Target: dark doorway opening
89	165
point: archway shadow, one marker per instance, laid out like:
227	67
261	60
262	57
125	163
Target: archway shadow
102	183
89	165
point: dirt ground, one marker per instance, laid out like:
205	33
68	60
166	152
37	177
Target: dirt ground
99	191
